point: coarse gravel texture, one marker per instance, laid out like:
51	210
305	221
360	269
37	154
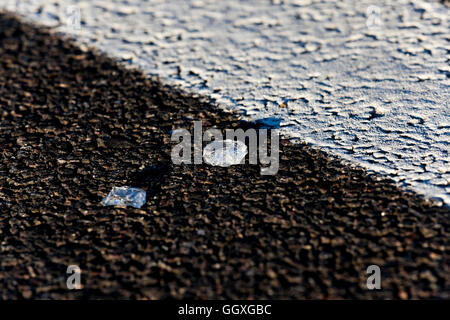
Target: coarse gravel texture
75	123
367	80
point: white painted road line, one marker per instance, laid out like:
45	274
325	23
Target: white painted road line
367	81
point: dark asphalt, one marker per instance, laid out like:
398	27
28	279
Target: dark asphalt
74	124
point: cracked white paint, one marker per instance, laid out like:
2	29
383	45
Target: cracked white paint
374	90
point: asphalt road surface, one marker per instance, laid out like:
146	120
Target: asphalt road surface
366	80
75	123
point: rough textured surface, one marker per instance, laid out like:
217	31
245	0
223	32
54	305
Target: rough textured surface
378	96
73	124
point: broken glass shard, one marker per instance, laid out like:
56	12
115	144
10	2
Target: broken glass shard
125	196
224	153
